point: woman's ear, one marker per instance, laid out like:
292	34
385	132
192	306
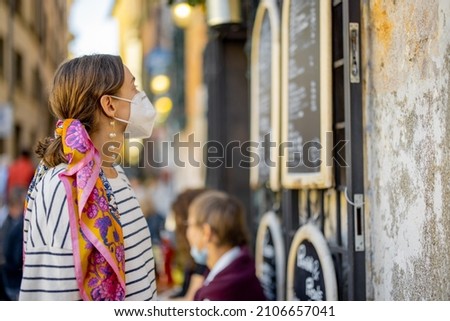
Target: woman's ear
107	105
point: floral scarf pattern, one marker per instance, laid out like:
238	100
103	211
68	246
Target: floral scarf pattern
96	232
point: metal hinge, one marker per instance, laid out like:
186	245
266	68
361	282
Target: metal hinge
358	219
354	52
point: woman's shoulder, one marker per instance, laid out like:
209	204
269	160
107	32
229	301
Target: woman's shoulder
52	174
47	178
46	192
121	173
119	169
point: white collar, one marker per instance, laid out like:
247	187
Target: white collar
222	263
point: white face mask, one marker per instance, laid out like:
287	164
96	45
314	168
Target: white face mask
142	116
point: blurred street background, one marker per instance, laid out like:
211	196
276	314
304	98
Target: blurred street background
355	94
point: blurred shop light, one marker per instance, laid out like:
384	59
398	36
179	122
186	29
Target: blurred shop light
181	13
163	105
160	84
222	12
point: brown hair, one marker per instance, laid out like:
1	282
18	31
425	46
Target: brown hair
180	210
225	215
78	85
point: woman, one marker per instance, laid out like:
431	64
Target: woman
217	235
85	237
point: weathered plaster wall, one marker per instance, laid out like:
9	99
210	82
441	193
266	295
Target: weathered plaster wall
406	61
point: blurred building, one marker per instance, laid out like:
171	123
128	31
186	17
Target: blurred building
166	60
128	14
374	218
33	42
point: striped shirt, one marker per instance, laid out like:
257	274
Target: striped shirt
49	270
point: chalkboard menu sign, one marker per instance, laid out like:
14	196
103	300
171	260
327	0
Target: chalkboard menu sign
269	258
306	87
265	95
311	273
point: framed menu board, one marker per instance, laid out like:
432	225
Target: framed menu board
310	270
306	94
270	258
265	96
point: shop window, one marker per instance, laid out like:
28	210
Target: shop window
2	58
18	69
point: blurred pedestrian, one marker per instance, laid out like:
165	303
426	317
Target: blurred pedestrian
12	245
218	237
162	192
85	234
193	273
20	172
155	220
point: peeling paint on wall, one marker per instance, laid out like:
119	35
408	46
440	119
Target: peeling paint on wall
382	25
406	60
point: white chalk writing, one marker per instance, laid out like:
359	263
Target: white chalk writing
312	266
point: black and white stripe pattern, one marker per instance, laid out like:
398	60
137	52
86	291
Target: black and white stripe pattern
49	272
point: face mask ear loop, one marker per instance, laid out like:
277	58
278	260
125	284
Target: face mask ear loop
123	99
122	120
120	98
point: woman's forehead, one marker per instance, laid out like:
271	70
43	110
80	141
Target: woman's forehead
128	74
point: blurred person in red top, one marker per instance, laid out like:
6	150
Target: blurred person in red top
20	172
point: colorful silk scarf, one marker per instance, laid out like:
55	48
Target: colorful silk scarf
96	233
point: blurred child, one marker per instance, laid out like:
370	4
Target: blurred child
193	272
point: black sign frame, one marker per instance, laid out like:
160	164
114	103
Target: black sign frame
306	86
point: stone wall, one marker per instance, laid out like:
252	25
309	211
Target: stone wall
406	66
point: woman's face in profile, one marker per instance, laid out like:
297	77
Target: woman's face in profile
194	233
127	91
